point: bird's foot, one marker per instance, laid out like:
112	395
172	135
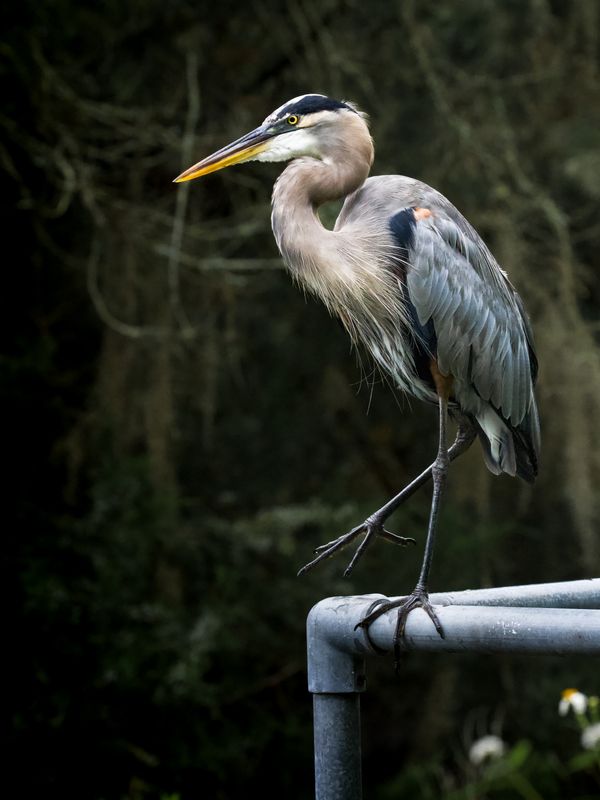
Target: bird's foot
419	598
371	527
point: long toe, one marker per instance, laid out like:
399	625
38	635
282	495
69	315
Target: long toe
429	610
418	599
378	609
403	541
372	528
329	549
341	541
404	605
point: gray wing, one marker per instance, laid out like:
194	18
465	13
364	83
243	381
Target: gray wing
483	336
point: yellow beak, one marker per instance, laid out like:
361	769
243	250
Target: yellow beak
244	149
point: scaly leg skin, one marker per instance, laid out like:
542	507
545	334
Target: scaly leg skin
372	527
419	598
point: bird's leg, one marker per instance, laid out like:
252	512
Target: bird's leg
419	597
373	525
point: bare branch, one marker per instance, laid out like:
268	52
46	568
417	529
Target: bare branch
105	314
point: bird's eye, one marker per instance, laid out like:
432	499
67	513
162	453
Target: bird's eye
292	119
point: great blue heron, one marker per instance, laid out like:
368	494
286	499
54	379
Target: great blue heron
411	281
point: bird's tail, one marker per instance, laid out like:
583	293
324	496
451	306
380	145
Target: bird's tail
508	448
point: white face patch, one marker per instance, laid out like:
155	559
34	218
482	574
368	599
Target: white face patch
286	146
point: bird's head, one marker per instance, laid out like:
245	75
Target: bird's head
312	125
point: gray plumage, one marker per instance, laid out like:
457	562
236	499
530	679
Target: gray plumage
483	338
415	285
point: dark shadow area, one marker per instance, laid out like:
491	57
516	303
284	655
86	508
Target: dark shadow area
183	427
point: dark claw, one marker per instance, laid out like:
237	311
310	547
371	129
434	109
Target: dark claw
418	599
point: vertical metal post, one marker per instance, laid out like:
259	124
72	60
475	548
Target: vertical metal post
336	677
337	746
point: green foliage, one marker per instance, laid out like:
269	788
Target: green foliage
522	771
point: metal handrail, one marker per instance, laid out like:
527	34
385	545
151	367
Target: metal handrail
545	619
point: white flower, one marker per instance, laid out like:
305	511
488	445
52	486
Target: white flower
590	737
487	748
572	698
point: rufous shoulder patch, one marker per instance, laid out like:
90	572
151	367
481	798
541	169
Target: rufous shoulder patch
421	213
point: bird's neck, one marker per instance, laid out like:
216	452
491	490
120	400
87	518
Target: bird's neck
313	253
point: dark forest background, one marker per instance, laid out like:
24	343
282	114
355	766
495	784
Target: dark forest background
182	426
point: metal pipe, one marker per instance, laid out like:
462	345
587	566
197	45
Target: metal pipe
569	594
337	746
496	629
551	619
336	677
